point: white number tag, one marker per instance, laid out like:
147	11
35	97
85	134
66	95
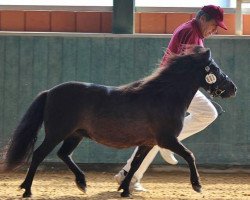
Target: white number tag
210	78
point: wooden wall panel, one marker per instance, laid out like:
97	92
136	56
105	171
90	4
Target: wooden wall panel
246	24
69	55
12	20
88	22
63	21
240	107
40	64
152	23
25	83
137	22
101	22
175	19
11	84
229	20
156	50
106	22
83	59
55	60
141	59
127	56
98	60
37	21
112	61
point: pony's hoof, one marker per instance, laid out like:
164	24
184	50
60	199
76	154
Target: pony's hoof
22	186
125	194
119	188
197	188
81	185
27	194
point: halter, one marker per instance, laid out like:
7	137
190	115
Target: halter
210	77
211	80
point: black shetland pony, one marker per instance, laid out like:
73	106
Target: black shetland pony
144	113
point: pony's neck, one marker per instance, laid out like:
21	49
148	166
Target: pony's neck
181	87
189	88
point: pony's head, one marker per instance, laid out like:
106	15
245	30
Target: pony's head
214	80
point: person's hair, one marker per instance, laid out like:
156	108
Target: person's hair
201	13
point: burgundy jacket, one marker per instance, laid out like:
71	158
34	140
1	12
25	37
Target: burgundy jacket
184	35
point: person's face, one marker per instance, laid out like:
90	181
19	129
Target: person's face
208	28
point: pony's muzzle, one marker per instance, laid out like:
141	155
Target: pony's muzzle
230	91
234	90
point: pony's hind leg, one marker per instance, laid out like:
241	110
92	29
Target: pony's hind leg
177	147
38	156
138	159
65	153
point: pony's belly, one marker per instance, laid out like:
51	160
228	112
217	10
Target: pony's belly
121	142
120	132
122	136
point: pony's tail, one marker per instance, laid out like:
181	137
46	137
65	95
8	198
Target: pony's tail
21	145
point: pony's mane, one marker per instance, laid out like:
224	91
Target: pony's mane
176	64
193	51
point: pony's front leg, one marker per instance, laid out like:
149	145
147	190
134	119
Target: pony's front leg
139	157
177	147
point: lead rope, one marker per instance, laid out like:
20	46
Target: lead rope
218	107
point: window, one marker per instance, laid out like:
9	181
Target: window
183	3
59	2
138	3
